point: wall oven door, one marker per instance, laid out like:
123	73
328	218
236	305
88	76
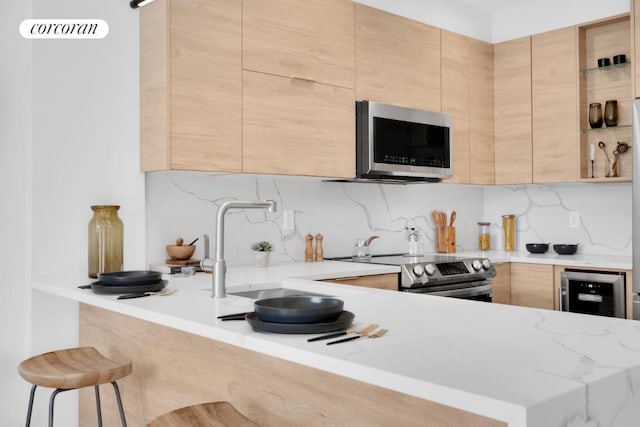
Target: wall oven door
477	291
593	292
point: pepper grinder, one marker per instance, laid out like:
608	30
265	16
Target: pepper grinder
319	252
308	252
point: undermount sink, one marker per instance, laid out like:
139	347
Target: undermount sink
273	293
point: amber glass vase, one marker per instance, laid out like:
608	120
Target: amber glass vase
106	235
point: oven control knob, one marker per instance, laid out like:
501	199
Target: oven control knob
418	270
486	264
476	264
429	269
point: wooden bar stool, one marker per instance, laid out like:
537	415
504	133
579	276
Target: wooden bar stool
213	414
71	369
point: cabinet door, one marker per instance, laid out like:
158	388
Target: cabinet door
455	99
190	89
513	152
481	113
312	40
297	127
532	285
502	284
397	60
555	105
379	281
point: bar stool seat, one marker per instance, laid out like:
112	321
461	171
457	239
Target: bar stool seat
71	369
212	414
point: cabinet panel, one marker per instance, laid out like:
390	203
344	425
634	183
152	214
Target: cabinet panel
555	105
481	113
397	60
379	281
513	139
312	40
532	285
455	99
297	127
502	284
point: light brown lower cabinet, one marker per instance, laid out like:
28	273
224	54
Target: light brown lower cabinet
532	285
502	284
378	281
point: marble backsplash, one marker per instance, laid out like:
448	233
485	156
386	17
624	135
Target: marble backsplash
184	204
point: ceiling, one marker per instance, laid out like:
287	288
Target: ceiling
492	6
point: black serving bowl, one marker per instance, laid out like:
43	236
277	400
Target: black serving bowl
537	248
565	249
299	309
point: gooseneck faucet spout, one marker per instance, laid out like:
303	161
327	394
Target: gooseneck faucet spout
219	268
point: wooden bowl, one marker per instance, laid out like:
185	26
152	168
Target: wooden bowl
181	252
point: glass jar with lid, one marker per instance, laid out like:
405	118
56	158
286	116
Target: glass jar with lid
484	236
509	226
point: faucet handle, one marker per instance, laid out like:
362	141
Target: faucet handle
207	264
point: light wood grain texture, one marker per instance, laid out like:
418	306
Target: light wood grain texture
212	414
72	368
297	127
174	369
379	281
456	99
206	85
554	61
605	39
635	43
513	134
502	284
481	113
397	60
154	86
557	273
532	285
313	40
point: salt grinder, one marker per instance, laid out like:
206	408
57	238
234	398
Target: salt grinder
308	252
319	252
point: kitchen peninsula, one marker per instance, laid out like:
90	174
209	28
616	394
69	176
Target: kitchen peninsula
445	362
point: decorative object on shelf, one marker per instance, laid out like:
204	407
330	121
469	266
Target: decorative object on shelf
261	252
604	62
106	236
484	236
509	226
592	158
319	252
611	113
612	169
308	251
595	115
619	59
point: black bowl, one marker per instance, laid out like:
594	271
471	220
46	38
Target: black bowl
299	309
565	249
619	59
604	62
537	248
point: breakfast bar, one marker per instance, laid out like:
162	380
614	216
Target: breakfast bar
444	361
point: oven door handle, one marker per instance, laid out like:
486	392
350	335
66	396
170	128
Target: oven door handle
466	292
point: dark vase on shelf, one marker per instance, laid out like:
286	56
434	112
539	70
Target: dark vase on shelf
611	113
595	115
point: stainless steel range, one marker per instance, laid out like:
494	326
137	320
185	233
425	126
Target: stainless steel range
443	275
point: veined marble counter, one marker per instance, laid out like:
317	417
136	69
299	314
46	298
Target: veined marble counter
527	367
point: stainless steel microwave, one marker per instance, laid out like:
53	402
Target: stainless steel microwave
402	143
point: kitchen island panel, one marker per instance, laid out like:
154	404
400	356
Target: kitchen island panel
172	368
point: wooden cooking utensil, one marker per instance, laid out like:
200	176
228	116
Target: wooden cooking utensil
452	218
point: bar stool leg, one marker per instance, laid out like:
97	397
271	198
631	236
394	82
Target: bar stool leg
31	397
98	405
120	408
51	402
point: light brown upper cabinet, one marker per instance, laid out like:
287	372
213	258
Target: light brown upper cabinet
555	104
311	39
513	139
397	60
481	113
190	85
297	127
532	285
454	51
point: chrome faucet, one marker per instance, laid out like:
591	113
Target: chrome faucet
219	268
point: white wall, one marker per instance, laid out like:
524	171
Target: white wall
69	128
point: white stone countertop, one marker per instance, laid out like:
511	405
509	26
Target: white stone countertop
527	367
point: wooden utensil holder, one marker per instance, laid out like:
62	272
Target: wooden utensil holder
446	239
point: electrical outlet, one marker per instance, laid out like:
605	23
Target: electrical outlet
574	219
289	220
